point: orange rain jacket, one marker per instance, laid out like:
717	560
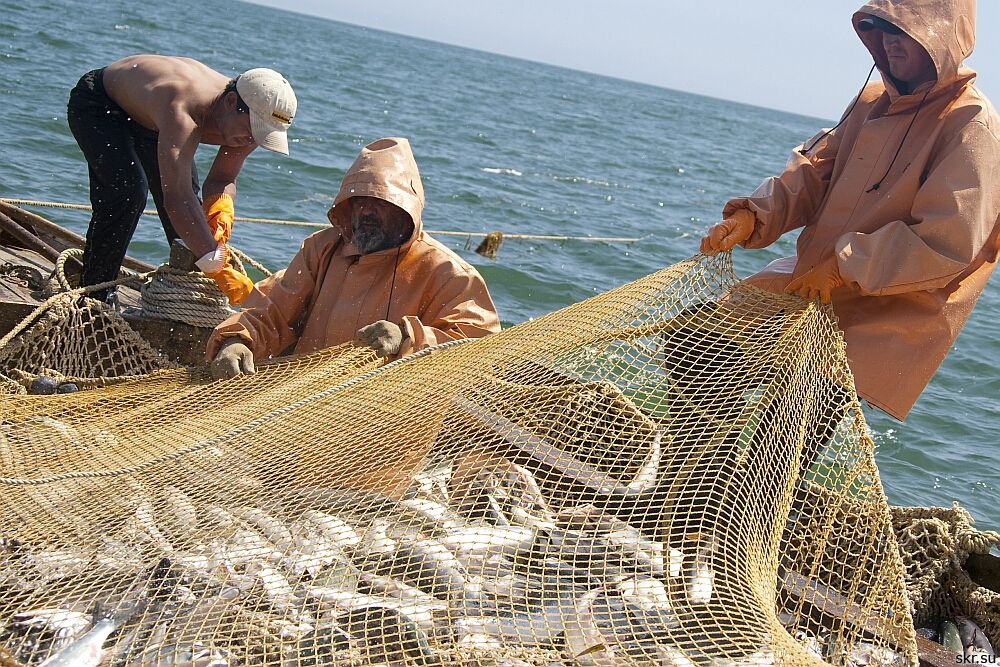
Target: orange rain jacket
330	290
916	252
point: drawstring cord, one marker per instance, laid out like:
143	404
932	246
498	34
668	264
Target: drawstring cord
393	285
909	127
806	151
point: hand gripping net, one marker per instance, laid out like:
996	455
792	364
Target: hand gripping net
670	473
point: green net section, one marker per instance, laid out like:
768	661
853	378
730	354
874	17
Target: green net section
670	473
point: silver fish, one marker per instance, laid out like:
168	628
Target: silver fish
388	635
488	540
865	654
429	517
195	654
270	527
334	528
542	628
425	564
974	640
422	613
88	650
700	576
646	477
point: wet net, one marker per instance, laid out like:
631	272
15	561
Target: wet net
670	473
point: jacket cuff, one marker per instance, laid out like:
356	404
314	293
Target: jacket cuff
222	335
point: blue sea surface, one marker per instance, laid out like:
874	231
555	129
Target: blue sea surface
502	144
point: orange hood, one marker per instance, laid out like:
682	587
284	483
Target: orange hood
384	169
945	28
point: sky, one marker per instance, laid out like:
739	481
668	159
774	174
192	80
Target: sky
794	55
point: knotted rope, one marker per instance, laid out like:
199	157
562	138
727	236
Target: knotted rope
183	296
170	294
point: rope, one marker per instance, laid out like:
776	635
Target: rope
243	257
169	294
77	253
978	542
182	296
318	225
235	432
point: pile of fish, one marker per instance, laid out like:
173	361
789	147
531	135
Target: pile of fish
479	573
963	638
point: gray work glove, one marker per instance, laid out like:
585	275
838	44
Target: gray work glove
383	336
233	359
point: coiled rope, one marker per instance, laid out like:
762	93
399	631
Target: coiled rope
167	293
319	225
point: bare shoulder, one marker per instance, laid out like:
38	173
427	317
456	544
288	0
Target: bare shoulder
154	89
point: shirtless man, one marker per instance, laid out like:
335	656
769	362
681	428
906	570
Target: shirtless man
139	121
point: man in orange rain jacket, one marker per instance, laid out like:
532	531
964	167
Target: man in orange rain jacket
375	277
899	203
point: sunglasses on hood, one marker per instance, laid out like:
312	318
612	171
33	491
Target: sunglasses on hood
876	23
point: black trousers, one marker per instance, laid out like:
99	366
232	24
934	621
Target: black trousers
124	168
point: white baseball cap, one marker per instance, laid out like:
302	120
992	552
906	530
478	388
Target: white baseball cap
272	107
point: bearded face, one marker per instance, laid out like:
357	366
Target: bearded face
377	224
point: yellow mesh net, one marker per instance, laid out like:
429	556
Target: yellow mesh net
670	473
75	337
949	570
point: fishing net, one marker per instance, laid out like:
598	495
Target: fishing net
75	337
669	473
949	571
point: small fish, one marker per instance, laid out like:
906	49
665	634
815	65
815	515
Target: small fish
194	654
88	649
974	640
319	646
388	635
645	593
59	622
543	628
646	477
429	517
422	613
488	540
268	526
582	636
951	639
864	654
336	529
700	577
810	643
425	564
651	652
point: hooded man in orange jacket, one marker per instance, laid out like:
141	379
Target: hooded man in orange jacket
899	203
374	277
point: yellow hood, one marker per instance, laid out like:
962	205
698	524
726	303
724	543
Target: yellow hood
945	28
385	169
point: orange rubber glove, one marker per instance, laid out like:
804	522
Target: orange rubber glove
818	281
723	236
220	212
235	285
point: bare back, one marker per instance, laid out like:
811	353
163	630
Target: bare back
182	100
159	91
